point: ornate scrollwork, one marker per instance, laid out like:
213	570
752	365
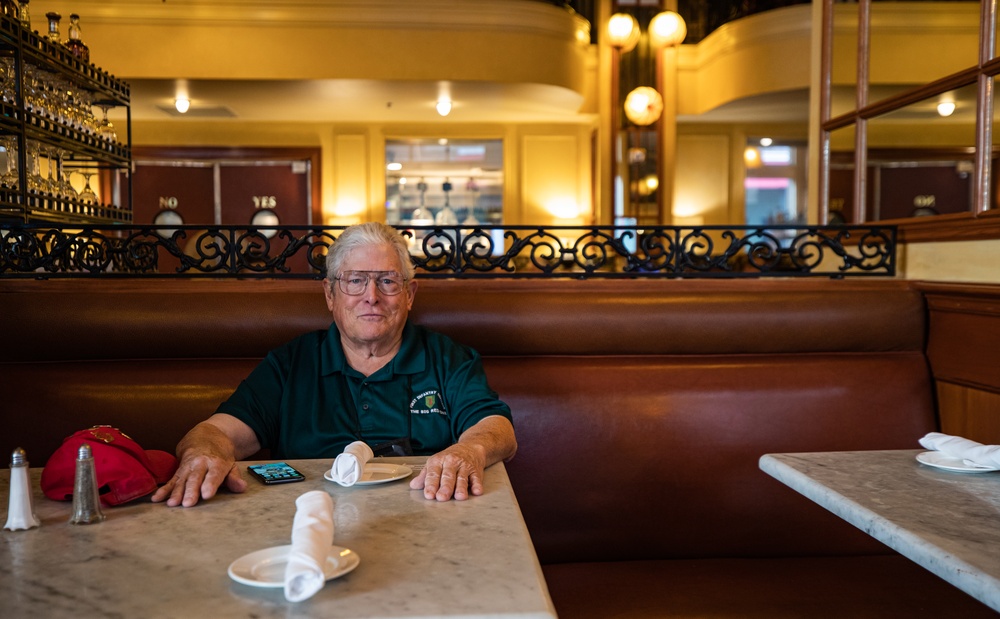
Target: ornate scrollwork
35	250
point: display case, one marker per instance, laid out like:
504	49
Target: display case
65	161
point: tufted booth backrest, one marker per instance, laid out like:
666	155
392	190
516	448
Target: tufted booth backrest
641	407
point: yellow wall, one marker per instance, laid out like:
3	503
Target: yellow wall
966	261
702	180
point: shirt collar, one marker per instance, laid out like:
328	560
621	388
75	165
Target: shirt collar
409	360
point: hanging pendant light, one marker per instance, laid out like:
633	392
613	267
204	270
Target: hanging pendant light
667	29
623	31
643	105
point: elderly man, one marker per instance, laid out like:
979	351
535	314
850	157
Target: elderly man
371	376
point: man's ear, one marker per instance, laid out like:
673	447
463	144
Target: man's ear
328	293
411	292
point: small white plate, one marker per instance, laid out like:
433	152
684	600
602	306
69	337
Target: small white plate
266	568
378	473
940	461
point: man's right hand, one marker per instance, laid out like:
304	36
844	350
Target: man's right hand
208	456
199	478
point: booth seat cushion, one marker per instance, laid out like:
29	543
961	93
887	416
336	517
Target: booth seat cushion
861	587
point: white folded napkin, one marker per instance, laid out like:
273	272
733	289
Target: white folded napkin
312	536
350	465
971	452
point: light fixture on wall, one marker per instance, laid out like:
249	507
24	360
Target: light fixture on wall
644	104
640	73
182	104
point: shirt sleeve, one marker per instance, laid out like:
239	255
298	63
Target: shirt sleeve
469	396
257	400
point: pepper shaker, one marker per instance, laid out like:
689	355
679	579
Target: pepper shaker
20	509
86	502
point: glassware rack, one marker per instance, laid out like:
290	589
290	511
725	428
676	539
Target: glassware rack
50	131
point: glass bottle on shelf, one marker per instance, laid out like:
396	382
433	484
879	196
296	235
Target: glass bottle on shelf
53	18
75	44
10	8
25	15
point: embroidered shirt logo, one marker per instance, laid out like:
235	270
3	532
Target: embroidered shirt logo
426	403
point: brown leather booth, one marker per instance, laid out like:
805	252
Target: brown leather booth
641	409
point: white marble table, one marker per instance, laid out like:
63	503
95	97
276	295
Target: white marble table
419	558
946	522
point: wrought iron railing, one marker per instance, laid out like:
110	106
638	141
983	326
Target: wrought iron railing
50	251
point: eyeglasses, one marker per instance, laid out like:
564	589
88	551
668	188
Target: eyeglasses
354	283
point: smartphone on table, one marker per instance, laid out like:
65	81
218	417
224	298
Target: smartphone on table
275	473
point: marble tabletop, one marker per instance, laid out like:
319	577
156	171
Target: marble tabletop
419	558
945	521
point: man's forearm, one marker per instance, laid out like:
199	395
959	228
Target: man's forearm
495	436
222	436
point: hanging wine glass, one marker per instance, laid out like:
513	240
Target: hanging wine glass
33	100
105	128
8	91
66	189
87	195
52	164
9	178
36	183
90	124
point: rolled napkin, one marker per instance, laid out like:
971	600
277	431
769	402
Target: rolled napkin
350	465
312	536
971	452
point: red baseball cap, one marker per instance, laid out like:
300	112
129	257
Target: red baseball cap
125	471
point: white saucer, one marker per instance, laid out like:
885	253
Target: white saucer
940	461
266	568
378	473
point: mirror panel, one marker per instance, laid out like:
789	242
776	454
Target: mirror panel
921	162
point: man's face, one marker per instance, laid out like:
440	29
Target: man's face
371	317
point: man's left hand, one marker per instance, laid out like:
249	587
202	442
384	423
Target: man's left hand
455	472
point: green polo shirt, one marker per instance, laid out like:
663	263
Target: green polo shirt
305	401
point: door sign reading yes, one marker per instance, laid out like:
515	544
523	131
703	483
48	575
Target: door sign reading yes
265	202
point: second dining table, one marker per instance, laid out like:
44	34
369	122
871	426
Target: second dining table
417	558
946	521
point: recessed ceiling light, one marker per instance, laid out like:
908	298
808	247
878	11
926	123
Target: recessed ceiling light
443	106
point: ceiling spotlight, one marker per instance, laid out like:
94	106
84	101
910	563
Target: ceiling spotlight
182	104
394	166
946	108
443	106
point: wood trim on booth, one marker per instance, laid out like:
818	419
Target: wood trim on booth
963	348
970	413
943	228
963	343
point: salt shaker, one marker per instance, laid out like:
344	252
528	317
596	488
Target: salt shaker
20	510
86	503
